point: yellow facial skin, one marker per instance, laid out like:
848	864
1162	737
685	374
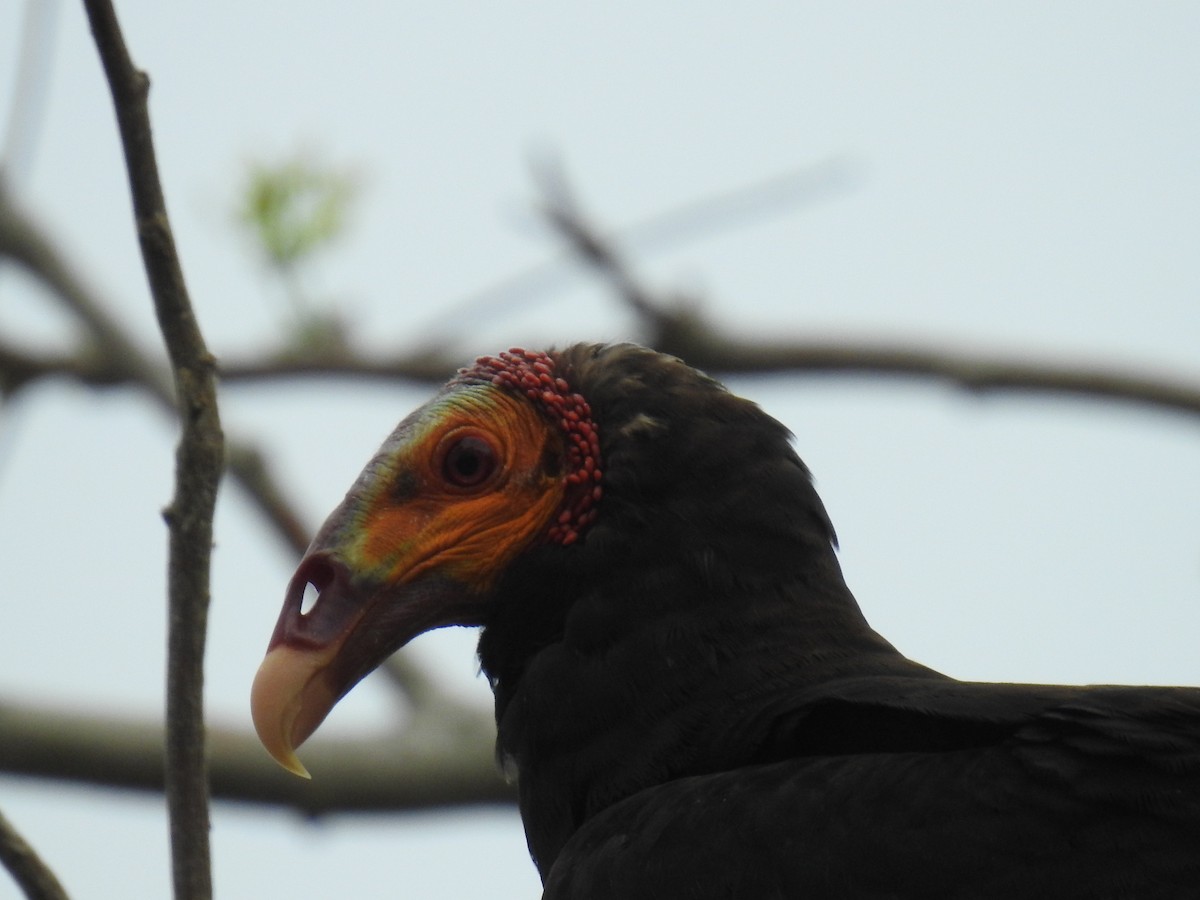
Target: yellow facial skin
456	493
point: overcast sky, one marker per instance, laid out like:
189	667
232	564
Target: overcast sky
1013	177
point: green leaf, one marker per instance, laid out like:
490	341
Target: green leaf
295	208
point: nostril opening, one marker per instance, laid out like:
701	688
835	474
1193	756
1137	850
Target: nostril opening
312	594
317	574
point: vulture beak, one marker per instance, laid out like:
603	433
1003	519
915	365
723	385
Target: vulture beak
316	655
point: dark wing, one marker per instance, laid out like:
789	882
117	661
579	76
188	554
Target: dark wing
1096	796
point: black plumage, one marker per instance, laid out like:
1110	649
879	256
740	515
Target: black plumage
695	706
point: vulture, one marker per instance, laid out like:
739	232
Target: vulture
690	699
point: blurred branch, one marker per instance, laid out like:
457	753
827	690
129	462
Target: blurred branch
442	757
19	368
24	242
110	358
705	347
26	867
685	333
670	325
562	211
696	218
198	465
424	367
681	329
419	689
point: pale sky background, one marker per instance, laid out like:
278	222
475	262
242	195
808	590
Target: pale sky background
1026	179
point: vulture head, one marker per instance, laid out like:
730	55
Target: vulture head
641	548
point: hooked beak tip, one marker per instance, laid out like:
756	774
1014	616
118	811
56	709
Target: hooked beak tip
282	704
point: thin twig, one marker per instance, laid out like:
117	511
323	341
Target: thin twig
26	867
657	232
199	460
562	210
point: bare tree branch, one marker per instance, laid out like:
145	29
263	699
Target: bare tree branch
26	867
199	462
684	332
441	757
681	329
19	368
704	346
110	358
689	335
24	242
673	327
775	195
562	211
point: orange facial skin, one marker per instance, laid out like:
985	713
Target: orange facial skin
419	521
460	488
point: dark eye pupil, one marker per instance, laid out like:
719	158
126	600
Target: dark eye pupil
469	462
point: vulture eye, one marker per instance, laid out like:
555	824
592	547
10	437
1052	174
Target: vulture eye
468	462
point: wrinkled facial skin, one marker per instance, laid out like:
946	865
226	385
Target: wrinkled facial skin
460	488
